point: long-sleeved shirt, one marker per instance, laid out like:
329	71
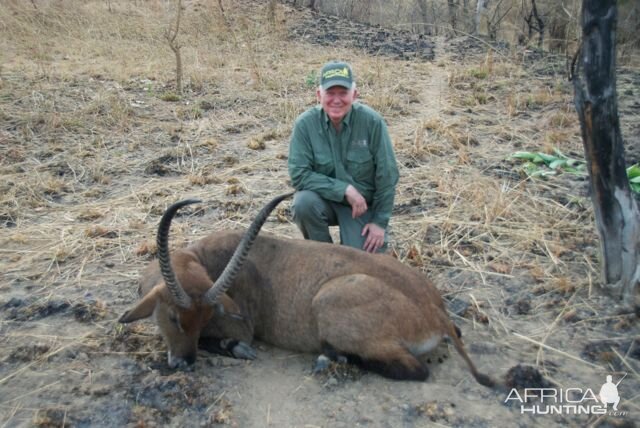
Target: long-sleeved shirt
361	154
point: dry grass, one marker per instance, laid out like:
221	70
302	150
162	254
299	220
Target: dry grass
93	147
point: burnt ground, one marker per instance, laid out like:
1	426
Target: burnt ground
90	159
327	30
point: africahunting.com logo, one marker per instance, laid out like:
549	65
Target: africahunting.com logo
569	401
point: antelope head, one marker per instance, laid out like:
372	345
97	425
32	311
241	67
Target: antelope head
185	299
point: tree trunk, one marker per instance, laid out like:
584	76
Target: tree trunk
616	211
539	26
465	15
175	47
424	15
480	7
452	5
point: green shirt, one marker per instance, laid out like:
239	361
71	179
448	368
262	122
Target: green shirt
326	162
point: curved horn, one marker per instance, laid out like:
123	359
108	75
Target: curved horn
181	298
240	254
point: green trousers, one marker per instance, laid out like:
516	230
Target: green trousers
314	215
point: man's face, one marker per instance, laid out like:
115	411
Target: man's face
336	101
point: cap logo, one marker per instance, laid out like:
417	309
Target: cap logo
336	72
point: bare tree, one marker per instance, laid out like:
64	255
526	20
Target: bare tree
424	15
453	6
175	46
559	26
535	23
616	210
494	22
627	30
481	6
465	14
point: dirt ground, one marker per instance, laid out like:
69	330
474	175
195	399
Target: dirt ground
94	145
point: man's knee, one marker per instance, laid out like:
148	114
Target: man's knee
308	205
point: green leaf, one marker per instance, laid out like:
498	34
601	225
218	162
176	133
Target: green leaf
576	171
558	163
633	171
537	158
546	158
524	155
530	168
635	180
559	153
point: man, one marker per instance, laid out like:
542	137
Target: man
342	163
609	393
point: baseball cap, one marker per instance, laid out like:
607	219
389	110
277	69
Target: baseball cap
336	73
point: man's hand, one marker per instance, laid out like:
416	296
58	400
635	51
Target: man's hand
375	237
356	200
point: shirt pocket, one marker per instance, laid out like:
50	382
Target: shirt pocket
360	164
323	164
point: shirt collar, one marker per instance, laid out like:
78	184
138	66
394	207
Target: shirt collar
326	122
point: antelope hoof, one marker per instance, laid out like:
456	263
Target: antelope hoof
321	365
177	363
341	359
244	351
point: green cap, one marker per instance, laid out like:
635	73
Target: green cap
336	73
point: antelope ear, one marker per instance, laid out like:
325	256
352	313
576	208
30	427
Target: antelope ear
144	308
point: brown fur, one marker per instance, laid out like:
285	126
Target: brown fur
305	296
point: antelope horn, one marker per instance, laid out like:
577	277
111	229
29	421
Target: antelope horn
240	254
180	297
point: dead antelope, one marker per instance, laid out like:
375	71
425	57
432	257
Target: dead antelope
299	295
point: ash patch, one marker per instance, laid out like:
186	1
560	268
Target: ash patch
328	30
27	353
169	393
35	311
522	376
52	417
461	48
608	351
178	396
614	422
14	302
413	206
458	306
7	220
165	165
519	305
93	310
142	345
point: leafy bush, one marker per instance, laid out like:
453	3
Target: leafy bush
540	164
633	172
